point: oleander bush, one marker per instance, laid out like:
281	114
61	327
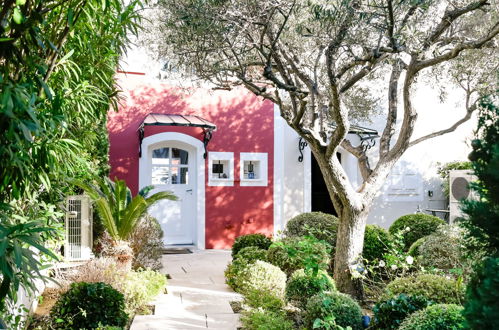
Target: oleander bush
336	306
293	253
88	306
264	277
252	254
376	242
390	313
147	245
420	225
323	226
435	317
257	298
258	240
260	319
433	287
304	284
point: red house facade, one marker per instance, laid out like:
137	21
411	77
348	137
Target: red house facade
225	185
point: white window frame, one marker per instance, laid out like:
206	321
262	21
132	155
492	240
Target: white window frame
214	156
261	157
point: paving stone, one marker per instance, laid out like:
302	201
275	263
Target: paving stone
155	322
223	321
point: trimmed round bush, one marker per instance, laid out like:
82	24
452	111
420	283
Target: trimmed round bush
345	311
88	306
420	225
389	314
323	226
260	319
435	317
263	299
252	254
442	249
434	287
303	285
376	241
264	277
234	270
258	240
482	303
291	253
414	248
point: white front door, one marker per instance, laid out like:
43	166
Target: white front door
173	168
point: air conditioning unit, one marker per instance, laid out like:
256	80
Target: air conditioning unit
78	243
459	189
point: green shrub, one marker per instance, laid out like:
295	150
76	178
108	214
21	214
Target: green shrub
376	242
140	287
88	306
414	248
435	317
323	226
258	240
233	272
293	253
436	288
264	277
324	306
303	285
420	225
443	249
252	254
389	314
257	319
257	298
482	303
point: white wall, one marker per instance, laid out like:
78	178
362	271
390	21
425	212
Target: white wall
292	179
422	159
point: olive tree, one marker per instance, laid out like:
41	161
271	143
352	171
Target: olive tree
323	62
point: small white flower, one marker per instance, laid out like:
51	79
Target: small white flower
407	228
394	267
382	263
409	260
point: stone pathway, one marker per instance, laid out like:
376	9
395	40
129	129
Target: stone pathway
197	298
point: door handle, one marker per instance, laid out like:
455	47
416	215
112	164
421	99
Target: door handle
189	190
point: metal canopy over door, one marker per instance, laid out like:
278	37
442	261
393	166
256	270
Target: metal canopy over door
173	168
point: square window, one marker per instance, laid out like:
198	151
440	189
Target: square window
221	169
253	169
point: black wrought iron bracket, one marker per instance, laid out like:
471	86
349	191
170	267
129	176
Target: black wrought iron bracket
301	146
207	134
367	141
141	137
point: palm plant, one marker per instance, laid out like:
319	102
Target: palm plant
119	211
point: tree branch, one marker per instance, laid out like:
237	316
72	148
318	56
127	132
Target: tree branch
391	118
360	154
458	49
467	116
449	17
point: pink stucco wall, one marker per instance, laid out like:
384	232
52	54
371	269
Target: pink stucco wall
244	124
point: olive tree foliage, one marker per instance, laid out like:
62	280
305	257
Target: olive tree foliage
328	64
